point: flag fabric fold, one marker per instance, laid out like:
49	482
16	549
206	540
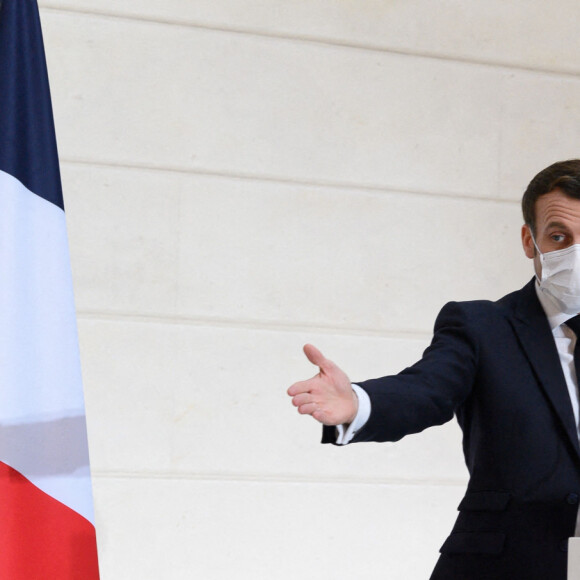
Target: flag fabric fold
46	513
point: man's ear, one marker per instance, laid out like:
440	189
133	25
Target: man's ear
528	242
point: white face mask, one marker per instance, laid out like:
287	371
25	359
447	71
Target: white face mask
561	277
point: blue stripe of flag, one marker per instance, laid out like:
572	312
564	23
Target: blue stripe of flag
27	139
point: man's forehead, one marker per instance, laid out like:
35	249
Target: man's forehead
558	209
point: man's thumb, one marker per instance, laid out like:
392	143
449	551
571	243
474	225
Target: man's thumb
315	356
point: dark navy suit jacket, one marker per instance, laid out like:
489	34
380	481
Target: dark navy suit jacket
495	366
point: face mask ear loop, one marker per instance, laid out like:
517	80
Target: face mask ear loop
537	250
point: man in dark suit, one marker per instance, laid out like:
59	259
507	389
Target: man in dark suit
506	369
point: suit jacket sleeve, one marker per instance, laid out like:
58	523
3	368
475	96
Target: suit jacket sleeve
429	392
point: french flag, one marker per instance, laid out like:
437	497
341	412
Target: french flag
46	512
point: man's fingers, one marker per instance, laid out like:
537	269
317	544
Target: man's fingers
301	399
314	410
308	409
300	387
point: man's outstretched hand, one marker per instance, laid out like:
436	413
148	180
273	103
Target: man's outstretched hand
328	396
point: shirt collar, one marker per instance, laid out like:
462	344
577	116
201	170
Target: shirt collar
553	313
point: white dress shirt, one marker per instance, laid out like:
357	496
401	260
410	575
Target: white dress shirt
345	433
565	340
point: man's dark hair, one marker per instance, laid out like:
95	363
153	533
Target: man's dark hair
563	176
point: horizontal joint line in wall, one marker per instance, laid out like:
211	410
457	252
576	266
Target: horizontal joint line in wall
310	39
250	324
376	189
279	479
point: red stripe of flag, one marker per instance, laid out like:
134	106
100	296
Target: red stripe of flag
54	542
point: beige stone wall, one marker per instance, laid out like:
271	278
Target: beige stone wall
242	177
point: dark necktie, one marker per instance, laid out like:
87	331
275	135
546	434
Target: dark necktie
574	324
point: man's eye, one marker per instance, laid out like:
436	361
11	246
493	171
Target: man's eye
557	237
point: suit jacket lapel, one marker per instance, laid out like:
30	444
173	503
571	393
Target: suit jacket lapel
535	335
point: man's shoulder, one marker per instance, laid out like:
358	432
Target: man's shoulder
480	310
514	299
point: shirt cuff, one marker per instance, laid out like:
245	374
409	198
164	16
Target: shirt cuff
345	432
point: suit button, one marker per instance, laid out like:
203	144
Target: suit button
564	546
572	498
